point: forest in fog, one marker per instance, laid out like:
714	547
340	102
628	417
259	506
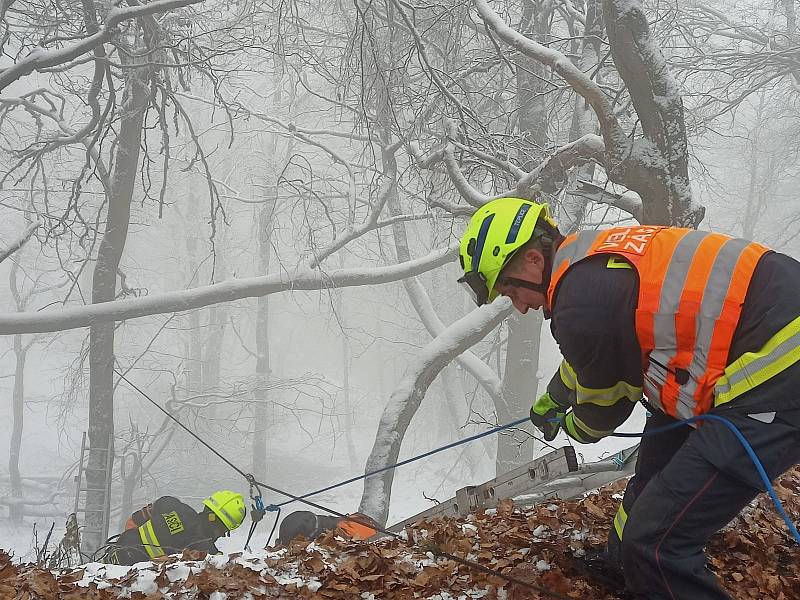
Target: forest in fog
250	210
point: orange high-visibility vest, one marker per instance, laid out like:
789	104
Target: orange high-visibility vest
355	529
692	285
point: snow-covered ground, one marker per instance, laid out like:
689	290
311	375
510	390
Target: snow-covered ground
540	545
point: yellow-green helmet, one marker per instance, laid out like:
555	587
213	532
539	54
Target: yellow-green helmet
495	232
228	506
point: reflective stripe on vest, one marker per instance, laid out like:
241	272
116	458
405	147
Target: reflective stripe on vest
754	368
692	285
150	541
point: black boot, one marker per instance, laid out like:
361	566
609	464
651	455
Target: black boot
599	567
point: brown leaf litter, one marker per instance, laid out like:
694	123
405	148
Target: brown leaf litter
755	558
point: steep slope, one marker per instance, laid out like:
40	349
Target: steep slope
754	557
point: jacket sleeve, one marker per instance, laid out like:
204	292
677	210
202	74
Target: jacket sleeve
600	377
141	516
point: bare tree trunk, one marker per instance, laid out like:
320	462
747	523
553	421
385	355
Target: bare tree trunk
194	375
573	209
339	302
104	284
751	204
260	413
17	511
520	380
520	383
131	477
214	335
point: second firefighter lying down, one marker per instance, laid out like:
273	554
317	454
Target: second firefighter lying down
168	526
306	524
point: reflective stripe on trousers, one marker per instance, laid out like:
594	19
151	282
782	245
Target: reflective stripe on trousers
619	520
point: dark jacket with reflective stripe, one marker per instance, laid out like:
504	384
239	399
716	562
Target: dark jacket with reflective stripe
594	324
176	526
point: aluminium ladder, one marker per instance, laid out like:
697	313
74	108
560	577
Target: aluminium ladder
557	474
94	536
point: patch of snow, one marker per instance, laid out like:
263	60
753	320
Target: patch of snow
99	570
580	535
542	565
146	583
541	531
218	561
178	571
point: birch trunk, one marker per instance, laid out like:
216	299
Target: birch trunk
408	395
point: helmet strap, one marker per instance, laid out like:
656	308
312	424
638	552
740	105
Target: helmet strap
521	283
547	271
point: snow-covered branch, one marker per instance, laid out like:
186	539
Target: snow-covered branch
40	58
589	147
577	79
465	189
19	243
227	291
482	373
410	391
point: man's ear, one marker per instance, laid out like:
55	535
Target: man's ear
534	256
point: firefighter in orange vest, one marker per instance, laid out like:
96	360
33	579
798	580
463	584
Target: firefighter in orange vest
357	526
696	322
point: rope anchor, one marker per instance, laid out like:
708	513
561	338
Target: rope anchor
257	510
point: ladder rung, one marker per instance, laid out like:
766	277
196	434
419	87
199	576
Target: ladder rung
91	510
92	490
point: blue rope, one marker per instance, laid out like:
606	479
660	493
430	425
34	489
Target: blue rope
748	448
465	440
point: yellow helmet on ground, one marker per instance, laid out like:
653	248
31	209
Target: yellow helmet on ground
228	506
495	232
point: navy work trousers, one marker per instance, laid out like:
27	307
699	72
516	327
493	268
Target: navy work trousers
689	484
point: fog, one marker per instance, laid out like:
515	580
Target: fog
271	194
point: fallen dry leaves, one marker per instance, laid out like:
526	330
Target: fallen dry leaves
755	558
